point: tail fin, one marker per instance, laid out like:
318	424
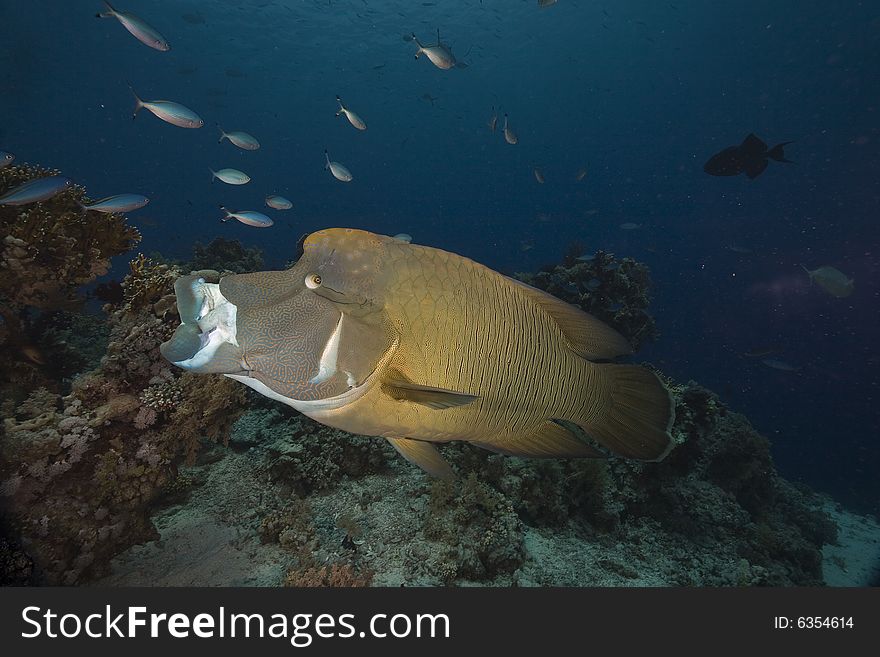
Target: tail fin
809	273
110	13
228	214
214	175
138	103
638	413
223	134
777	153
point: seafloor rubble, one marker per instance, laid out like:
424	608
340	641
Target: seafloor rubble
97	463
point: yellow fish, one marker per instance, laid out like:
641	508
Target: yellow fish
380	337
832	280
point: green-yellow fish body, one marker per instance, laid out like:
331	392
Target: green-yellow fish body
379	337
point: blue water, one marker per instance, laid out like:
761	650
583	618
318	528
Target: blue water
641	93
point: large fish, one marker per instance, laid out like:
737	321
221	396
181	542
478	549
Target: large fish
379	337
750	157
139	29
33	191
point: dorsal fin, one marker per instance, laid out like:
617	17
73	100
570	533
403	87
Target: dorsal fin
550	440
424	455
588	337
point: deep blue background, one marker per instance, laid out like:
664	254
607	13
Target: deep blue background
640	92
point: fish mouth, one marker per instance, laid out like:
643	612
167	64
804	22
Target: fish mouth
208	325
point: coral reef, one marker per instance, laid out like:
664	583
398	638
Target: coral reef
693	519
51	248
79	472
226	255
473	531
306	456
335	575
48	251
614	290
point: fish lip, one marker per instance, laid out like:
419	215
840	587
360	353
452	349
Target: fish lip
212	314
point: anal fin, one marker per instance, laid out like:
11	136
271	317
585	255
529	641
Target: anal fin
424	455
550	440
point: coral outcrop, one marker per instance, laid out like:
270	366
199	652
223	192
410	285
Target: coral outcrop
50	249
226	255
79	472
616	290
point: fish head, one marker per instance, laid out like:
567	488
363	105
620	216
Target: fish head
312	332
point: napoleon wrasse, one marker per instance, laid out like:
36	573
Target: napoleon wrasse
379	337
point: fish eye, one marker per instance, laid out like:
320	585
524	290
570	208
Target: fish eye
313	281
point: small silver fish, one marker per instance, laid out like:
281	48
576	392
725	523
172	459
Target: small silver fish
353	118
546	3
118	203
339	171
403	237
509	135
493	120
780	365
137	27
240	139
629	225
741	250
40	189
168	111
6	159
439	55
539	175
230	176
581	174
249	217
278	202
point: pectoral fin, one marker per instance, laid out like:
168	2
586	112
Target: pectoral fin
436	398
424	455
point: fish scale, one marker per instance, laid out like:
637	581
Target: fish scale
499	309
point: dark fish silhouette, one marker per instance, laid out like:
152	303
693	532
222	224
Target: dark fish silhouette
750	157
